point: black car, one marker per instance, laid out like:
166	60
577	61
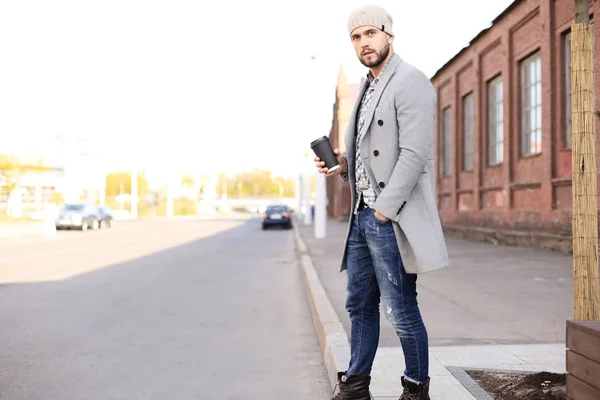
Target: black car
277	215
106	216
82	216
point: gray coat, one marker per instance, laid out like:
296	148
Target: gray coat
397	152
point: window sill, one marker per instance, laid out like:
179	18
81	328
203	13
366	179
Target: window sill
495	166
562	181
529	156
525	185
490	188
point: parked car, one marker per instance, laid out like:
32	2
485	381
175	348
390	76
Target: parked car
106	216
277	215
81	216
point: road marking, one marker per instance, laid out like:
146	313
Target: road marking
58	252
144	240
42	272
60	238
174	241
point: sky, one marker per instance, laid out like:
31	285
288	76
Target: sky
200	86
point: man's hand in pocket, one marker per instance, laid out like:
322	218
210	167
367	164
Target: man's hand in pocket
381	217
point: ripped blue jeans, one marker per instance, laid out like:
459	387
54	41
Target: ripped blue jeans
375	272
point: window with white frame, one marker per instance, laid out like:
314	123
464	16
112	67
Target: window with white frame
447	142
531	105
495	96
467	109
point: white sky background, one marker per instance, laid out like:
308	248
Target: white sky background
200	86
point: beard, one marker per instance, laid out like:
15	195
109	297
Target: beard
379	59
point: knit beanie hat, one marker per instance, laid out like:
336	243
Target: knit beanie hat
370	15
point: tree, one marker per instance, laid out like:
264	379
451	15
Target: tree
120	183
256	183
187	181
9	171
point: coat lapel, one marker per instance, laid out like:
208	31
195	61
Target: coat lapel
351	131
389	71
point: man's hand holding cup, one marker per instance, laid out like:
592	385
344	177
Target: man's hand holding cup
329	162
341	161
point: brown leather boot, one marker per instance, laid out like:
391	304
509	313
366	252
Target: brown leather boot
356	387
413	391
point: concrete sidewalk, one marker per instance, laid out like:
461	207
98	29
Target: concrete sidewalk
495	307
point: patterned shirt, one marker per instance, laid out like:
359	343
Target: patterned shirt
363	186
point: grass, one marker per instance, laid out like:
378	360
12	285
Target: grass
181	207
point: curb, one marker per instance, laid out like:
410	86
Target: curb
332	337
334	342
469	383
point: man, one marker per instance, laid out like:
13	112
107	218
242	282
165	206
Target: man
394	230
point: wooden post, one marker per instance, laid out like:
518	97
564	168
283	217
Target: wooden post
585	203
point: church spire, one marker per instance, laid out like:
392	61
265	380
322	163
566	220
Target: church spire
342	83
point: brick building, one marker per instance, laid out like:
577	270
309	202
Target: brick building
503	136
338	191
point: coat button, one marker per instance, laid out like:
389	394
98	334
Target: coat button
380	122
376	153
381	185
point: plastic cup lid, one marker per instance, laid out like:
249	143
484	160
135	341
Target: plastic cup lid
319	140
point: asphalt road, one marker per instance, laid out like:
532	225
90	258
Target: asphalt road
183	309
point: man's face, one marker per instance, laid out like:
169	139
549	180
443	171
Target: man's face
372	45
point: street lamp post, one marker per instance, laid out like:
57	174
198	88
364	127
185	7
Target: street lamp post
134	194
321	207
170	200
299	185
307	196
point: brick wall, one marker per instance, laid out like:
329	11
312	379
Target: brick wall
526	198
338	192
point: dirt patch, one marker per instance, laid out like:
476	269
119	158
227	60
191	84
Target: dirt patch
506	386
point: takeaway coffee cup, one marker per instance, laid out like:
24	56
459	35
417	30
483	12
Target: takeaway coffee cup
323	150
